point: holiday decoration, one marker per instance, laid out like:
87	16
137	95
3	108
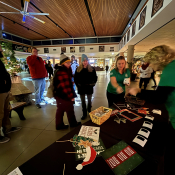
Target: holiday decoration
9	60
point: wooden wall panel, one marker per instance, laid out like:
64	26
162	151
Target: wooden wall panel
110	17
71	15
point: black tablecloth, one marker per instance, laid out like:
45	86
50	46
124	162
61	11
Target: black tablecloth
51	160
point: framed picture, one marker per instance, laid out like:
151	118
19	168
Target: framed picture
63	49
128	35
124	40
142	18
111	49
46	50
134	29
157	5
82	49
101	48
72	49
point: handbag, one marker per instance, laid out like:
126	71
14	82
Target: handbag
50	90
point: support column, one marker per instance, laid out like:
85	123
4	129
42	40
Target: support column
121	53
130	56
53	62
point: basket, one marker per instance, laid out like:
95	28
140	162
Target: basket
99	120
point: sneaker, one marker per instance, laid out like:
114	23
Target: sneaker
38	106
4	139
75	125
44	101
83	117
13	129
62	127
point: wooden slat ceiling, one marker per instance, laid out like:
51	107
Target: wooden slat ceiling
71	15
48	29
110	17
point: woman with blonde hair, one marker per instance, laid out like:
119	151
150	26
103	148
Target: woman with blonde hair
85	79
119	77
161	58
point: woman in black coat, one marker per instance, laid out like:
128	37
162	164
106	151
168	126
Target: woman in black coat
85	79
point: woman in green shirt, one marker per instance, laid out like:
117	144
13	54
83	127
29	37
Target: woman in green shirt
119	77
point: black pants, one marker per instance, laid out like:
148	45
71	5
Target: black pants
152	77
89	96
114	98
50	73
145	80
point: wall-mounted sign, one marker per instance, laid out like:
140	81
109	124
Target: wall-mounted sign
128	35
21	48
101	48
142	18
82	49
72	49
133	29
46	50
63	49
157	5
111	49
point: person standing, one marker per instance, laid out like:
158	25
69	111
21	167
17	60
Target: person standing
153	78
85	79
5	86
116	86
107	68
38	73
145	75
64	93
49	69
74	66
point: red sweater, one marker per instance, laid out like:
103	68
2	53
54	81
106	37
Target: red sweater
36	67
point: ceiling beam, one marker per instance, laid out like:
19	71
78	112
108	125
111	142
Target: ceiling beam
89	13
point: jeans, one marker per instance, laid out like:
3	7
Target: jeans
74	86
39	85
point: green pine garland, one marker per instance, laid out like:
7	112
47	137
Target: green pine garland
12	65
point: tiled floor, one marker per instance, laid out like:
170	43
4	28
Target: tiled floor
38	130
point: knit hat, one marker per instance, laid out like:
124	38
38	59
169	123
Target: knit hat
63	59
84	57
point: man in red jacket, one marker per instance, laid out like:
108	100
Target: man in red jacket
38	73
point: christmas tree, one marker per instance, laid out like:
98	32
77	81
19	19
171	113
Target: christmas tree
9	60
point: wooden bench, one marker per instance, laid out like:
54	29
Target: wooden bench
18	107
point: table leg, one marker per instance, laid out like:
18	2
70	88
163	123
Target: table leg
20	112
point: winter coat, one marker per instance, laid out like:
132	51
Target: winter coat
85	81
36	66
146	73
62	82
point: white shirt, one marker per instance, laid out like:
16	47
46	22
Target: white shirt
146	73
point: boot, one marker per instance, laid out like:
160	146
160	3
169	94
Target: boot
89	108
84	112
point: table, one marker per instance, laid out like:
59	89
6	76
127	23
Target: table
51	160
21	93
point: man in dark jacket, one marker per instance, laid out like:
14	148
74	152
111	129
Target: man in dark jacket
5	86
38	73
64	93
